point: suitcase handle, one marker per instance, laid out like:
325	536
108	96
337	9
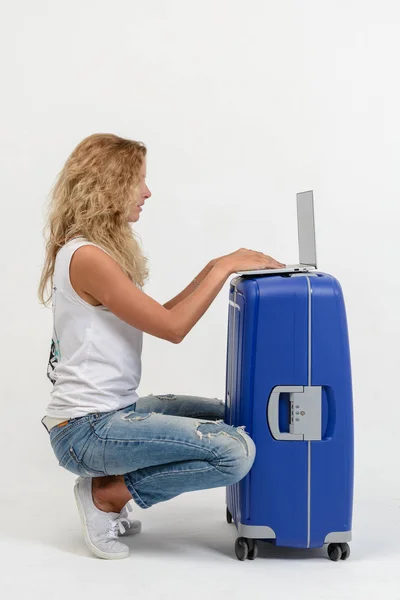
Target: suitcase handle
306	407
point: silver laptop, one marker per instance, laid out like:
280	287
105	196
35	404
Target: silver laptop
306	235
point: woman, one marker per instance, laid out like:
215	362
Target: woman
127	451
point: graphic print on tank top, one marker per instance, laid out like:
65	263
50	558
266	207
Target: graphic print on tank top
55	353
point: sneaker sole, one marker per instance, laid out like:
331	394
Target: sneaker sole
90	545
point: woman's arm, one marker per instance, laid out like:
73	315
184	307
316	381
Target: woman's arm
97	274
192	285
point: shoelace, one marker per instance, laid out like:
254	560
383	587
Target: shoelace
115	526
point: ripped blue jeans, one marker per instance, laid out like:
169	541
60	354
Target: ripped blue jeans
163	446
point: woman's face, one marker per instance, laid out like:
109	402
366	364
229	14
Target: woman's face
143	193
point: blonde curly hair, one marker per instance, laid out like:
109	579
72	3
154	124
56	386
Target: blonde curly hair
91	198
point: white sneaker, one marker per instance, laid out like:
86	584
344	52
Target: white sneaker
100	529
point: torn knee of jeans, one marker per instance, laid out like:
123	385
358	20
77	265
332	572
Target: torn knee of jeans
134	416
166	397
210	428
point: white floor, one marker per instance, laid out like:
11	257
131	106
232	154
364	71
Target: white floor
186	549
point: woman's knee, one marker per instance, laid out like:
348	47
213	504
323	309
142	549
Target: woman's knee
236	449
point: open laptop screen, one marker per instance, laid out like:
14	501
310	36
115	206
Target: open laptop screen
306	229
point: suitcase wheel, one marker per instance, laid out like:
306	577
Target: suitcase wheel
246	548
228	516
338	551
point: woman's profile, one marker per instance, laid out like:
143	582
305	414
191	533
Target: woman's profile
129	452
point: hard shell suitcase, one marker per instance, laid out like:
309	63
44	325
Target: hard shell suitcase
288	382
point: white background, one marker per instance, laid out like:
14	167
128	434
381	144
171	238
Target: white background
241	105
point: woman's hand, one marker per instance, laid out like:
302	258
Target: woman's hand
214	261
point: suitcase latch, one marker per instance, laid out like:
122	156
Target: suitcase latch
305	413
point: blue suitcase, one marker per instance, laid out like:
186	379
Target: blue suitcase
288	381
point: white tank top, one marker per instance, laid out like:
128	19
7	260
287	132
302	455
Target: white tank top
95	357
